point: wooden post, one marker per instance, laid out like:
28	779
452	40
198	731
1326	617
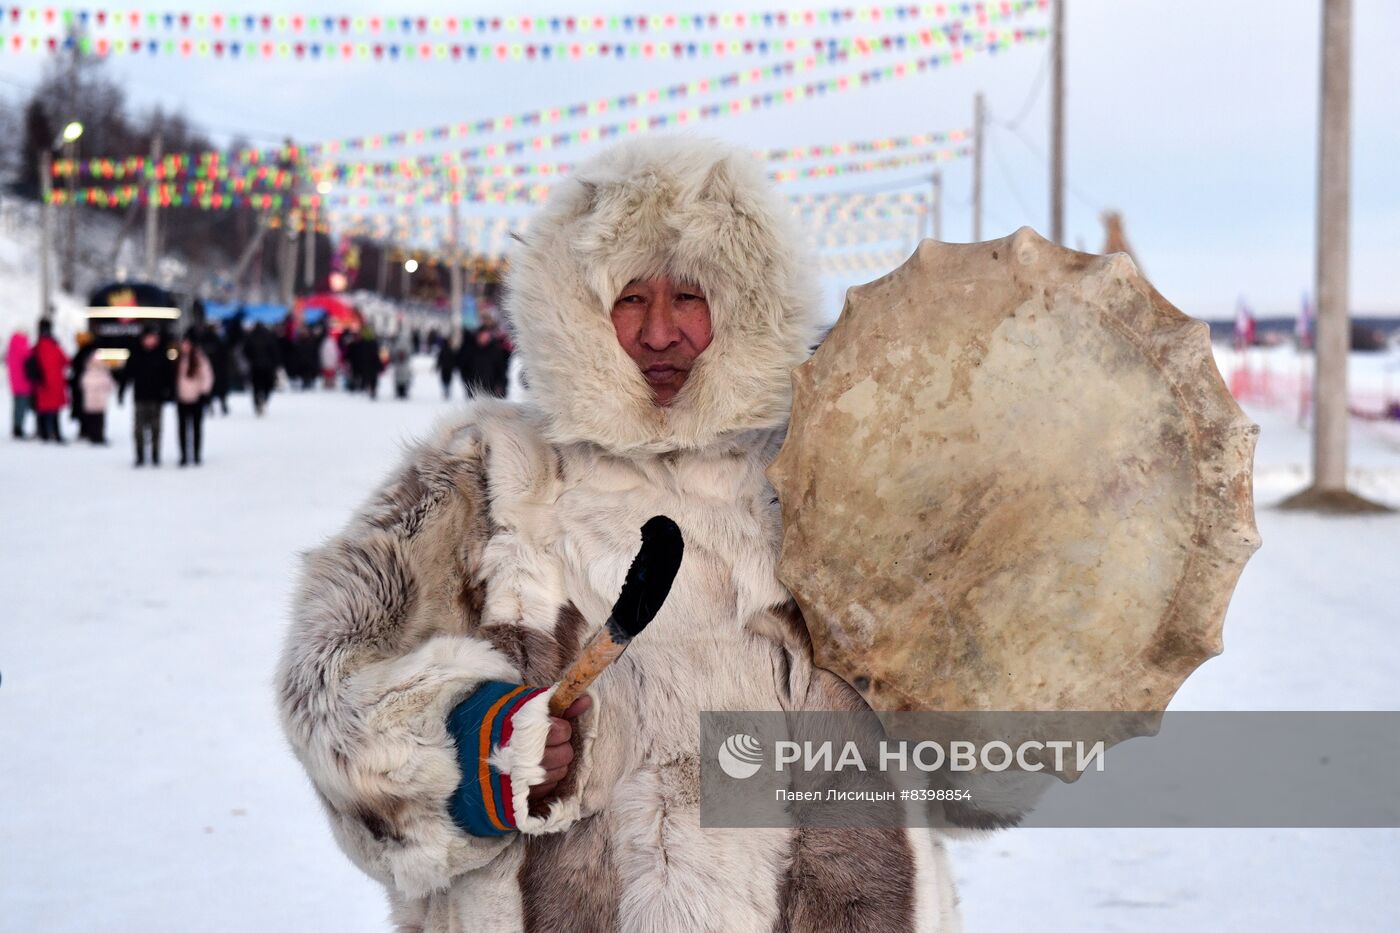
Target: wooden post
1057	127
153	210
978	121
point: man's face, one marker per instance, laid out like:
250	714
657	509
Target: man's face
663	324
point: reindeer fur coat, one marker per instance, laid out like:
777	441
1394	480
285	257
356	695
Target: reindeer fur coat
497	548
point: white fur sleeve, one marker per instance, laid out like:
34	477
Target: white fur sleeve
382	761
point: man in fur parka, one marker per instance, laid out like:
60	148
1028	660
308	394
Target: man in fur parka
659	302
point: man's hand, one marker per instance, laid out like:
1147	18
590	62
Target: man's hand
558	749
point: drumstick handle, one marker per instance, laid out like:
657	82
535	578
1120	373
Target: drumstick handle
647	584
602	649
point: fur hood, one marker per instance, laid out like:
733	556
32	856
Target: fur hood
695	209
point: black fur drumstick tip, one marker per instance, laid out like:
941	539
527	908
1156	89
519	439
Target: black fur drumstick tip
649	578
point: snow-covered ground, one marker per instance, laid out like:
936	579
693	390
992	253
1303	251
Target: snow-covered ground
1314	625
146	786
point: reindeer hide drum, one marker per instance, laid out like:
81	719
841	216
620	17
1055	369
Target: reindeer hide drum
1014	480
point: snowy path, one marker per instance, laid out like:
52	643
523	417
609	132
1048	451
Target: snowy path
146	785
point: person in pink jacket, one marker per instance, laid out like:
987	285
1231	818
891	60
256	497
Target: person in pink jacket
20	388
194	380
97	383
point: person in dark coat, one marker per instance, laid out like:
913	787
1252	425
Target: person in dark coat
485	363
288	355
260	350
151	377
349	353
367	363
234	335
309	357
447	355
217	351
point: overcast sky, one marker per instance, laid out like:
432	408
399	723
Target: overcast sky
1196	119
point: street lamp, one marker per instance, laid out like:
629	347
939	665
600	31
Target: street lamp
410	266
67	138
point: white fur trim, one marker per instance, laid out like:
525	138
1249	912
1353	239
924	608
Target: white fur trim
520	758
696	209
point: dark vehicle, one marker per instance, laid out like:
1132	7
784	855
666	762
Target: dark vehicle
117	314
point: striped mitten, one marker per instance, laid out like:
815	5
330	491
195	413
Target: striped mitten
482	804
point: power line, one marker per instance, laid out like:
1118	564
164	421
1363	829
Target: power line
1034	93
1089	201
1011	183
877	189
22	85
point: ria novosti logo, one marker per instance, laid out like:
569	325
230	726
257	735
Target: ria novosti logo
741	756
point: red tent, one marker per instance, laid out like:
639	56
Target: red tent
338	314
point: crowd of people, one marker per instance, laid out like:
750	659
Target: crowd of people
211	360
480	357
45	380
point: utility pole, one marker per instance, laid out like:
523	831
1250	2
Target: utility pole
70	151
254	246
1333	235
70	246
1333	340
1057	127
153	209
45	233
935	206
455	276
308	272
287	260
979	120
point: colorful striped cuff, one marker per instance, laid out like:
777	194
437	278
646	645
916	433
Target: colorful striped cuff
482	803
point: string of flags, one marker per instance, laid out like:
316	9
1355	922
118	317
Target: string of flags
358	24
870	218
690	116
836	170
532	118
845	263
494	238
311	186
184	182
542	116
831	50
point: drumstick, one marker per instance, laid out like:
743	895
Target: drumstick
645	589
